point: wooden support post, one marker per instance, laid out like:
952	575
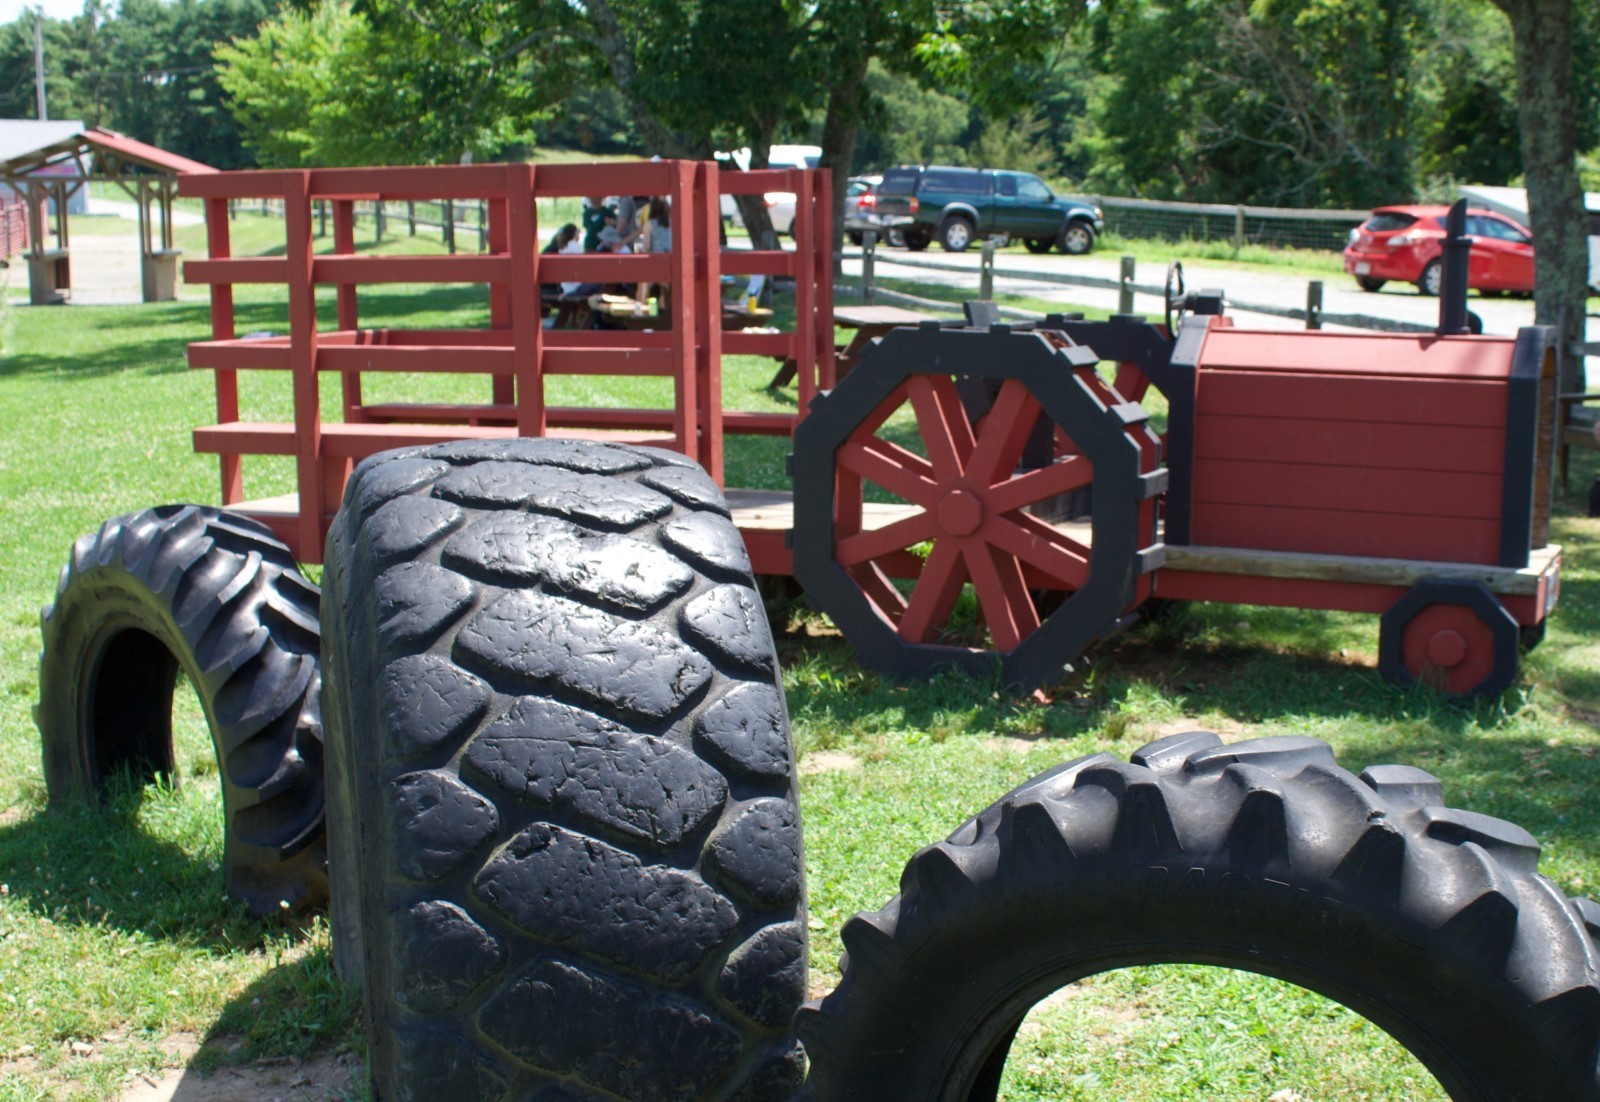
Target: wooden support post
1238	229
822	273
869	259
502	388
708	314
448	218
527	323
1314	304
986	271
1125	287
378	217
344	244
322	218
411	218
222	329
303	359
483	227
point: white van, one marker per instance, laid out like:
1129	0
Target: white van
780	204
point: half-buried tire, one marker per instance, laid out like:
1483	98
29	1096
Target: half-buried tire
215	596
565	847
1265	856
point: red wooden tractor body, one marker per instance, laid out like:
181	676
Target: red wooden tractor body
977	496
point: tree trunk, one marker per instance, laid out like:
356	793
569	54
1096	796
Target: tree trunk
839	129
753	208
616	48
1547	113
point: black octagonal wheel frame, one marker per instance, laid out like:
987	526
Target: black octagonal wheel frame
971	504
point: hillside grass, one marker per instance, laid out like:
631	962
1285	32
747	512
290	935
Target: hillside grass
115	935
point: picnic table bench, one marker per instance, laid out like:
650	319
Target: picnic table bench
869	323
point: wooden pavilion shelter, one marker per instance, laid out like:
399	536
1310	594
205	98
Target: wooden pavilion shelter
57	169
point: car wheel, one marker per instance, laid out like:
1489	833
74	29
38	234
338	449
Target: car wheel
917	241
1431	278
955	235
1037	244
1076	239
1370	283
856	238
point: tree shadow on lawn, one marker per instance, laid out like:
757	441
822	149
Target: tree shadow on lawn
1494	757
92	865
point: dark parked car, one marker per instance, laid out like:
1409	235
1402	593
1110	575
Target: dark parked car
1405	243
956	206
860	207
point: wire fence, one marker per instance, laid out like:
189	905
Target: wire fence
1279	227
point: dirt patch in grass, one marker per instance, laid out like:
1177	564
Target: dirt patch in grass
828	761
281	1079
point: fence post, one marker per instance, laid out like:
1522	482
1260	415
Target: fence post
1238	229
379	217
448	212
483	226
1314	304
869	258
986	271
322	218
411	218
263	206
1125	287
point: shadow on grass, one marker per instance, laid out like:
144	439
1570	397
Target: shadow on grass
93	865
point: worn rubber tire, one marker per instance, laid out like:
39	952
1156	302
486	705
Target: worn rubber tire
562	797
1431	278
1263	856
1370	284
214	595
918	239
1077	238
956	234
1037	245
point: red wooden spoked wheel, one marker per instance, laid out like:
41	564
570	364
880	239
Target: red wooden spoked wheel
960	516
1452	636
946	524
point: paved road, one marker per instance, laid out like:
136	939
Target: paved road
1399	302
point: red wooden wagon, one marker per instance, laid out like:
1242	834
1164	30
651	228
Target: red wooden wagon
969	496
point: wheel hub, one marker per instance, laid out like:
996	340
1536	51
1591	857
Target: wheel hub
960	512
1446	649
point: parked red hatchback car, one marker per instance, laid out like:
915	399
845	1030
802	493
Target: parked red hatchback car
1404	243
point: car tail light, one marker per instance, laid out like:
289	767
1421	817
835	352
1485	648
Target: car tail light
1355	235
915	206
1410	237
865	201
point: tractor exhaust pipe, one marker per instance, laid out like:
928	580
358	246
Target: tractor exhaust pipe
1453	317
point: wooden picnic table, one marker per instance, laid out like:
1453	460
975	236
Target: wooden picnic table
869	323
633	314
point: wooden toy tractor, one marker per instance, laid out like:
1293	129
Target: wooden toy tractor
540	714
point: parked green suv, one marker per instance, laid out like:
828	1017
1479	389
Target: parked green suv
957	206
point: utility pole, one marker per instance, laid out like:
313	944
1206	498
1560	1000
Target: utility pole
38	62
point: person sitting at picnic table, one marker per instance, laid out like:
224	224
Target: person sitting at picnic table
594	221
560	242
630	227
657	237
611	238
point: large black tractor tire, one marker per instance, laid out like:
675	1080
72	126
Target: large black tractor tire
565	844
1264	856
183	588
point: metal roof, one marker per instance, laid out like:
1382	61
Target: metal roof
19	137
27	146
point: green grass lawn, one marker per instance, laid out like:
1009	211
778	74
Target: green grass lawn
115	935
